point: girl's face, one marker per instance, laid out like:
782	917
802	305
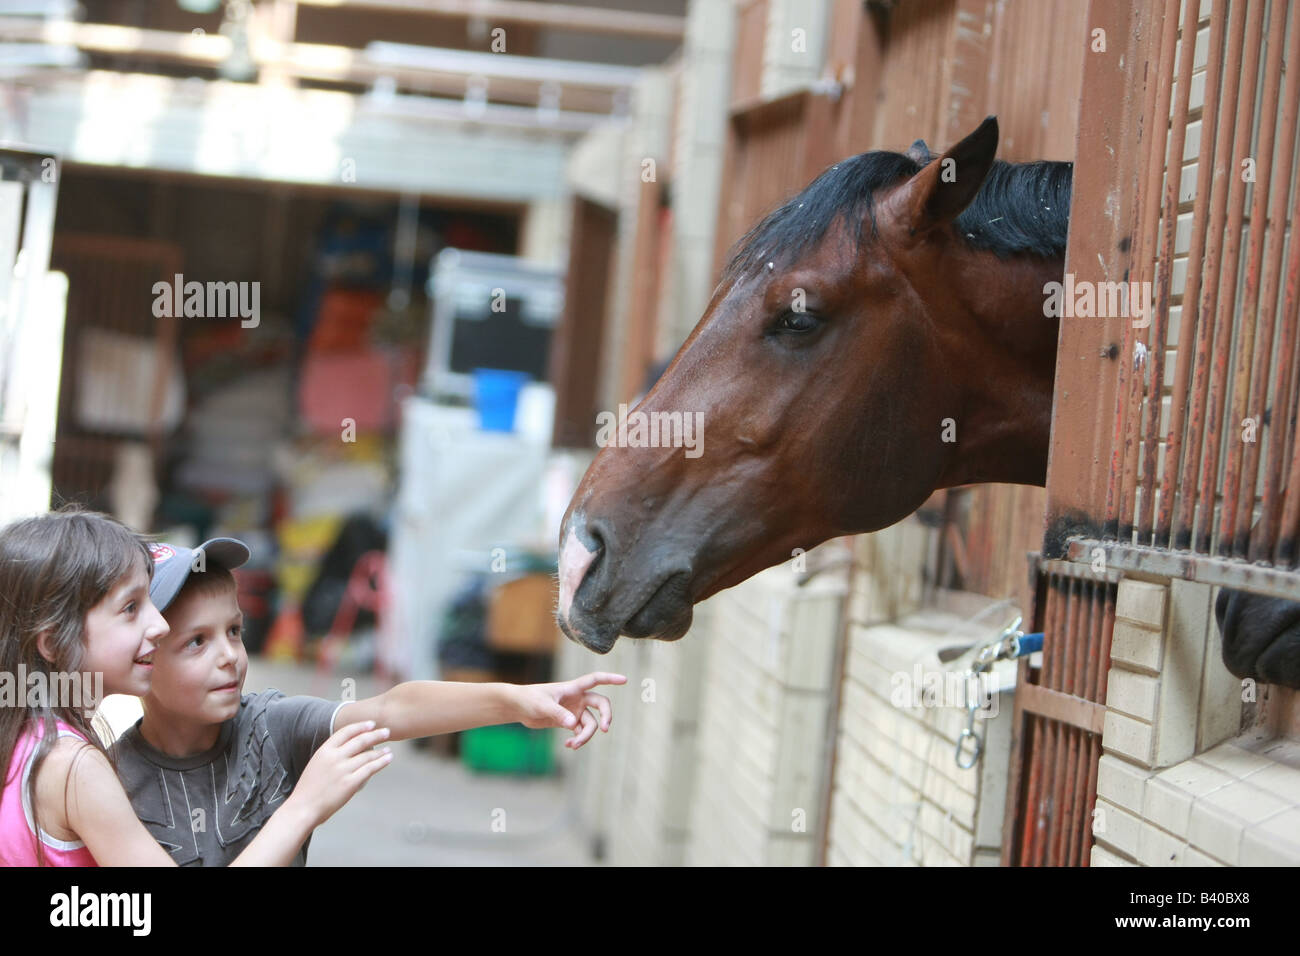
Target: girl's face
122	631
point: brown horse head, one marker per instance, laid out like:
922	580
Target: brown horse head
877	337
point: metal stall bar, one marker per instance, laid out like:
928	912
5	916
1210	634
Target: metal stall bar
1132	364
1166	533
1225	71
1255	350
1222	432
1156	130
1164	278
1274	540
1285	548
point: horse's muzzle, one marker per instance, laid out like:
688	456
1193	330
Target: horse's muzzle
599	599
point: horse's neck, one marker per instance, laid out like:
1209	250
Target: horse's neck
1008	390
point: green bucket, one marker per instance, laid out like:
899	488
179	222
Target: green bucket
508	748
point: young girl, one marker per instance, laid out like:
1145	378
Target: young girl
76	623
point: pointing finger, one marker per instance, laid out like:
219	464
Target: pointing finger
588	681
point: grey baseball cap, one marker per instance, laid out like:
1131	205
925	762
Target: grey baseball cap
172	565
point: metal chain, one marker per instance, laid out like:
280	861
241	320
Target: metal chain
1007	646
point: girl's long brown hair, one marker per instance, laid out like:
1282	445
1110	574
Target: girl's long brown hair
53	569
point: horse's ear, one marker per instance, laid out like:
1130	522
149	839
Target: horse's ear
919	152
938	193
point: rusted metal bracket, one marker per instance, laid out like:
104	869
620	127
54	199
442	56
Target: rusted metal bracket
1227	572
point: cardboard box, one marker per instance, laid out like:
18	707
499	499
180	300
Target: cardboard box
521	616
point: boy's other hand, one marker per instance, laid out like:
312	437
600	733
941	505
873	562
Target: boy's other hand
567	704
340	768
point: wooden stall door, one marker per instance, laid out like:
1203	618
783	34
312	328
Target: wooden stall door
652	245
576	349
774	149
110	312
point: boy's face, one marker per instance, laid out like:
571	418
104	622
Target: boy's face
122	631
199	668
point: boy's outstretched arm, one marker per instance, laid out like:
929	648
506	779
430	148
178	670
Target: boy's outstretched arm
423	708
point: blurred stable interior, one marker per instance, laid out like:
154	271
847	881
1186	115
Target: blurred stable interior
345	154
402	506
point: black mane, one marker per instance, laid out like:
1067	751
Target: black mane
1022	209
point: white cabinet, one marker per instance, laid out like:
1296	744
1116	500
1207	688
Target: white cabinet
462	492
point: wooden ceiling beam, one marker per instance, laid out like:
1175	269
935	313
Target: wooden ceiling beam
509	78
556	16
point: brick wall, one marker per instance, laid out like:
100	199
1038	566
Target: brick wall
763	723
899	797
1177	785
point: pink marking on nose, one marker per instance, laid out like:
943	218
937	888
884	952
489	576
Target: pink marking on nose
575	559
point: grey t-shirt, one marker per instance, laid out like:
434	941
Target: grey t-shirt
206	808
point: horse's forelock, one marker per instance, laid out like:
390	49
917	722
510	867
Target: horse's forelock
845	189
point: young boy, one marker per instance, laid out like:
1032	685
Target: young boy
207	765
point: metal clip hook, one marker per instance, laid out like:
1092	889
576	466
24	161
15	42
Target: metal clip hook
977	747
1006	646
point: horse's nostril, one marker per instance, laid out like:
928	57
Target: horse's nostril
598	537
596	562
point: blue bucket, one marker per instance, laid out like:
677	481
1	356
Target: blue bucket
496	392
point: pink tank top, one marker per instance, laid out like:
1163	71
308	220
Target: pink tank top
17	832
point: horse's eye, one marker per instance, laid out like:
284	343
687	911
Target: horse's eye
796	322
